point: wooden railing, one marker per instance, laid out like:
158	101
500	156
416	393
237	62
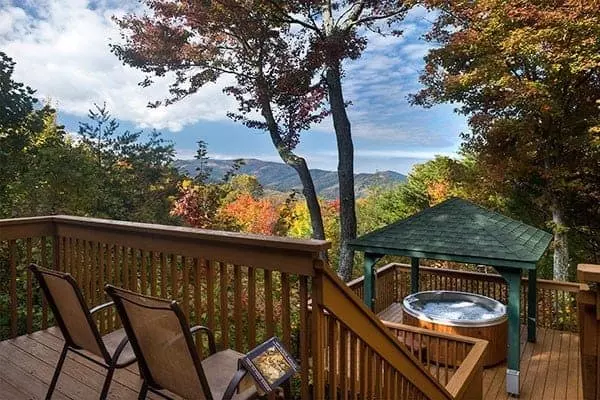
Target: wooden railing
589	332
387	288
245	287
556	307
366	358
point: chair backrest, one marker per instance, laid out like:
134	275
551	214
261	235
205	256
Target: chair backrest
70	311
162	342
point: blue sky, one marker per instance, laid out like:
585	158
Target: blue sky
61	50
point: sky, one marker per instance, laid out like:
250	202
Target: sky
61	49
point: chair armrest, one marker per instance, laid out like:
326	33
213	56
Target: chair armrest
233	384
101	307
209	333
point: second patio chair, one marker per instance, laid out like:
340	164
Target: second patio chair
166	352
78	328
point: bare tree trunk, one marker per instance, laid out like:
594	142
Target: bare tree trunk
299	164
345	170
561	245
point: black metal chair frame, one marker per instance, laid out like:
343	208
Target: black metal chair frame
110	362
149	384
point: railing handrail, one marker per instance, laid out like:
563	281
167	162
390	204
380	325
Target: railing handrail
308	245
275	253
542	283
340	301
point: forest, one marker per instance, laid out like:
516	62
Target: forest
106	172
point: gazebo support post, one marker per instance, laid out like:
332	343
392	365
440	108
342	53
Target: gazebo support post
414	275
513	279
370	278
531	305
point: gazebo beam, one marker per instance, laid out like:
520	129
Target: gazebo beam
370	279
414	275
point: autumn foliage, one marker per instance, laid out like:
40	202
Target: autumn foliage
253	215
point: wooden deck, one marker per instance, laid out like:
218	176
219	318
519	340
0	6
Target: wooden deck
550	369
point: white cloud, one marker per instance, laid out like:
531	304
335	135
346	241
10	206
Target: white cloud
61	50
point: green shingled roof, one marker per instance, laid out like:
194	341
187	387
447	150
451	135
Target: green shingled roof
458	230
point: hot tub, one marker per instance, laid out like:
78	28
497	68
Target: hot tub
460	313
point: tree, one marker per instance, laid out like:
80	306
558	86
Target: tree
253	215
198	42
134	176
527	73
334	32
18	122
275	50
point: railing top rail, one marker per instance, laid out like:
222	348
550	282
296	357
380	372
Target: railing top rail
428	332
304	245
542	283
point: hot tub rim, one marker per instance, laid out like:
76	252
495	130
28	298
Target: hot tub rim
465	323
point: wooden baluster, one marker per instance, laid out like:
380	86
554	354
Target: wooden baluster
269	303
29	287
252	308
44	262
186	287
163	275
101	282
133	269
85	272
364	370
237	307
144	272
12	262
69	256
95	265
332	346
111	277
210	295
354	365
224	304
285	310
153	277
174	277
378	376
304	356
387	386
344	361
198	265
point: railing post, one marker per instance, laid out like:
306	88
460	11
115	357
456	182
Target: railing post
588	305
531	305
317	328
414	275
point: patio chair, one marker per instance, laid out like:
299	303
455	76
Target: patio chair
78	328
166	352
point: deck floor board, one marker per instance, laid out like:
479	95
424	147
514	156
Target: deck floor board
550	369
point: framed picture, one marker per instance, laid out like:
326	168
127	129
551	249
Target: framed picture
269	364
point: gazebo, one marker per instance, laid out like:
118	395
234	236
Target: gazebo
460	231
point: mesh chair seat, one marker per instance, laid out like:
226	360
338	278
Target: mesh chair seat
111	342
219	368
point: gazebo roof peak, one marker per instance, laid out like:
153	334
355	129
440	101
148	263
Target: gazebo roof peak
458	230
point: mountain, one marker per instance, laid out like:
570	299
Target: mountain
283	178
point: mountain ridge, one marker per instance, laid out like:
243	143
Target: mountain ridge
283	178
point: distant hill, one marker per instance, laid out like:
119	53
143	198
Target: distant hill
283	178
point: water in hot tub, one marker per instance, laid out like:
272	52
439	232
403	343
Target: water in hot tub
457	311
